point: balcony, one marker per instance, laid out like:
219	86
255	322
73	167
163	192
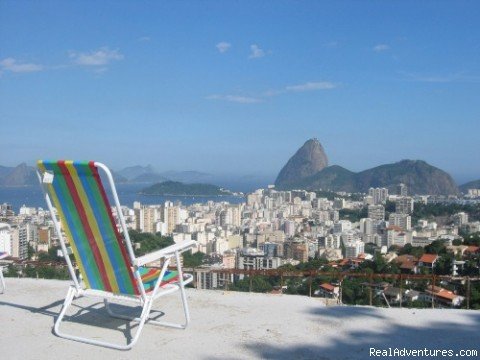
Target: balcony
227	325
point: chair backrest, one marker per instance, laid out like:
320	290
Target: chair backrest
76	191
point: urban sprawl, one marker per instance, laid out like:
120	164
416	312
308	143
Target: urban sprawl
276	229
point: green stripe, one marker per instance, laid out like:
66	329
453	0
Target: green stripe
121	270
95	279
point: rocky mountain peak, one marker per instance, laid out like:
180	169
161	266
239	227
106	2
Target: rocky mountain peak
307	161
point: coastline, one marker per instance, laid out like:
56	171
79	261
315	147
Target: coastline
191	195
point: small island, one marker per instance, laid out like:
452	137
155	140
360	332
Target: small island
175	188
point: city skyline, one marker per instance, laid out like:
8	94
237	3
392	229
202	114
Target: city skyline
237	88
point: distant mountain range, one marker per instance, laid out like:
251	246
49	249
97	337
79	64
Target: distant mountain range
419	176
147	174
470	185
24	175
20	175
307	169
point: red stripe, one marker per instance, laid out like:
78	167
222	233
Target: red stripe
121	244
86	226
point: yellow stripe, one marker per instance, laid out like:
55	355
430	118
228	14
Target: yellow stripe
69	237
93	225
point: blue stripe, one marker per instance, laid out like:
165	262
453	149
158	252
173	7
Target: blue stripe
76	231
97	211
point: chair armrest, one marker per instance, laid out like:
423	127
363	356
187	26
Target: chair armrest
165	252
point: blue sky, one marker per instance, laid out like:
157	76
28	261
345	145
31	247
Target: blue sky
235	87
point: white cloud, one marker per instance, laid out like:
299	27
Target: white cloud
235	98
100	57
256	52
223	46
381	47
10	64
144	38
309	86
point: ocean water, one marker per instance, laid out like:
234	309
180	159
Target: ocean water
32	196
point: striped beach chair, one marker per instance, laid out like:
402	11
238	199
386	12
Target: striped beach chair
3	255
107	265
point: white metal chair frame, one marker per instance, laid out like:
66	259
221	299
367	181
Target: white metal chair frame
144	299
2	279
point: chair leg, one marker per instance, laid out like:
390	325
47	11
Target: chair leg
68	301
2	281
155	322
186	313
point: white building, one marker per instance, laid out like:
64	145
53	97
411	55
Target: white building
367	226
354	248
5	238
289	228
376	212
342	226
404	205
379	195
403	221
460	218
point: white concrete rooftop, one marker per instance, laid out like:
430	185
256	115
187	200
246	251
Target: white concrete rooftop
226	325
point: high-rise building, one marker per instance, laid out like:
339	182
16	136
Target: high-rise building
404	205
379	195
332	241
20	242
376	212
367	226
5	238
271	249
402	189
403	221
289	228
354	248
170	216
297	250
460	218
342	226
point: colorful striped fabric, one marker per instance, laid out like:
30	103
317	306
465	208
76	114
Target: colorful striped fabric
77	193
150	277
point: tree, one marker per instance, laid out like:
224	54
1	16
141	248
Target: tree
416	251
11	271
472	239
457	242
436	247
193	260
259	284
30	272
148	242
51	255
443	266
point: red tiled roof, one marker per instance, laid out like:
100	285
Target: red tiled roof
407	262
446	294
428	258
441	293
394	227
473	249
327	286
405	258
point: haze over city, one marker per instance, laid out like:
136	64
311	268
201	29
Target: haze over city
237	88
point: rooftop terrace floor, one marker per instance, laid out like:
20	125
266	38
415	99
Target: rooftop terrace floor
226	325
